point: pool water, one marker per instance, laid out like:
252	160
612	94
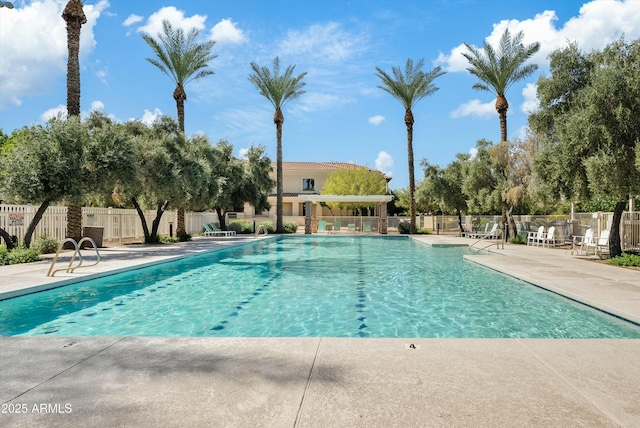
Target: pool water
333	286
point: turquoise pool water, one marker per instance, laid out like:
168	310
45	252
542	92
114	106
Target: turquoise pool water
311	286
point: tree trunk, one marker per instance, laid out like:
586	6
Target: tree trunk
221	218
615	246
180	96
36	219
181	229
408	120
502	106
7	239
143	220
156	221
460	221
513	229
74	222
74	17
278	119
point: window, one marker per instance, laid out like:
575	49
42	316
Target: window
308	183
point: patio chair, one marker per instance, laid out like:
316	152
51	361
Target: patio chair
549	237
536	237
366	226
322	226
336	226
211	229
583	243
603	242
219	231
493	233
351	228
477	235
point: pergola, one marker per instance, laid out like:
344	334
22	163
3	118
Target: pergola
381	200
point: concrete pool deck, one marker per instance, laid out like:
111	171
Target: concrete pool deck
330	382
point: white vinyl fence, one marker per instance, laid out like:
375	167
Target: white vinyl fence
119	225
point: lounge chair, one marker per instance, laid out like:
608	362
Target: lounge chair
549	237
211	229
351	228
217	230
536	237
336	226
322	226
602	242
477	235
583	243
366	226
493	233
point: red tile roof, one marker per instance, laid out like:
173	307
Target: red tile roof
318	166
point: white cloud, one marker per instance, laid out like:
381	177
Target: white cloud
132	19
475	108
327	41
316	101
177	19
227	32
97	106
59	111
34	47
598	23
148	118
376	120
531	101
473	152
384	163
243	153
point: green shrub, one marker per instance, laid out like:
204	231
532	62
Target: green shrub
268	225
22	255
290	227
169	240
241	226
4	256
423	232
184	237
45	244
518	239
626	259
404	227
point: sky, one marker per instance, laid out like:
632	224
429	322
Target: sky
343	116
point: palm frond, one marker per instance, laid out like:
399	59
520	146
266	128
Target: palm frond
278	88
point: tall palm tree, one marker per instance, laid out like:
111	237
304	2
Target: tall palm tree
183	59
497	71
74	17
279	89
409	88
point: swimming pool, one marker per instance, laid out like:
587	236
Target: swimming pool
334	286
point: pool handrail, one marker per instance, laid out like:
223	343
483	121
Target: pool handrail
76	245
496	234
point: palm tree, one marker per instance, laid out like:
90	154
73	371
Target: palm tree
278	89
409	88
183	59
499	70
74	17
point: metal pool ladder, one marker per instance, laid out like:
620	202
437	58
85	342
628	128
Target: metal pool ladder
77	252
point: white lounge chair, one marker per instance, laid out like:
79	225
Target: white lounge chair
583	243
536	237
549	237
602	242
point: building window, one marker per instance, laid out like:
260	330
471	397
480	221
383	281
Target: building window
308	183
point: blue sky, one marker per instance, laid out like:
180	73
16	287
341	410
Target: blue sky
344	116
